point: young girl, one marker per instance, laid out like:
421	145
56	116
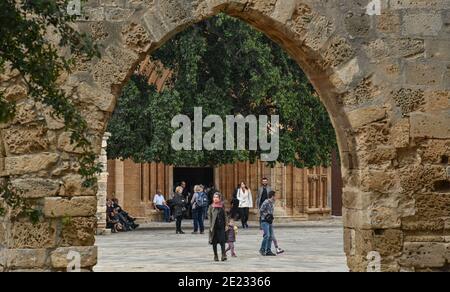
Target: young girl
232	231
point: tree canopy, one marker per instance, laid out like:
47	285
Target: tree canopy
228	68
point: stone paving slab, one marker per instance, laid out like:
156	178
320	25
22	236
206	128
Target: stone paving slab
187	223
307	250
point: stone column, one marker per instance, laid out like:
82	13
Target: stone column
279	187
102	188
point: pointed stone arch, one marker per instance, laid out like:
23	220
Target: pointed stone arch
384	80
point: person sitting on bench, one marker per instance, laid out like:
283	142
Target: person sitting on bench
160	204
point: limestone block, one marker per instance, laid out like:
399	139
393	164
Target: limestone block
418	223
73	186
431	205
345	74
95	119
107	73
423	73
356	219
78	231
15	92
25	113
25	258
25	140
400	134
357	24
117	14
53	122
435	151
366	115
437	49
65	144
422	24
355	199
30	236
430	125
424	238
417	178
75	207
424	254
136	37
389	242
389	22
437	100
337	52
284	10
88	94
60	258
319	30
378	181
37	187
414	4
24	164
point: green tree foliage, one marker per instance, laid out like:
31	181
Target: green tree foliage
25	27
228	68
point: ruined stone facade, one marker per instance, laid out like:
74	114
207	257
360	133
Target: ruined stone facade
384	79
304	194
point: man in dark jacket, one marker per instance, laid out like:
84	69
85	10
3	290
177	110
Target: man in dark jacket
263	194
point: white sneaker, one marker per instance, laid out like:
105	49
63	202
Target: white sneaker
280	251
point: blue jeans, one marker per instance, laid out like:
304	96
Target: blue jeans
198	214
266	245
166	212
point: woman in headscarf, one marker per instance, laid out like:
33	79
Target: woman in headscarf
218	224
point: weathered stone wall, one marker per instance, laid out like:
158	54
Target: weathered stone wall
385	80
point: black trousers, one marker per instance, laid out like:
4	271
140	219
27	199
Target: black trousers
222	247
234	212
244	215
178	222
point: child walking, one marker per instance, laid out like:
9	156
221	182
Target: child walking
231	237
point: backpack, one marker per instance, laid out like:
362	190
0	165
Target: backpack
201	200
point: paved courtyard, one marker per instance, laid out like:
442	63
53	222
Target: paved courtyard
309	248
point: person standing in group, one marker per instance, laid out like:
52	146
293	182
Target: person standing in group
245	198
199	204
160	204
187	197
231	237
263	193
234	212
267	218
210	191
179	206
218	224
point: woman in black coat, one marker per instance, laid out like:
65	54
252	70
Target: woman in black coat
179	208
218	224
235	204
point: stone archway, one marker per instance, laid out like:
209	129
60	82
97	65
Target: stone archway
384	80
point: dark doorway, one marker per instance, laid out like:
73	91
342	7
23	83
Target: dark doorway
193	176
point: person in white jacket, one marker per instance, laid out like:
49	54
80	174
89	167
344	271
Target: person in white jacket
245	198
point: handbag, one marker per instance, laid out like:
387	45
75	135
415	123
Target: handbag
269	218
